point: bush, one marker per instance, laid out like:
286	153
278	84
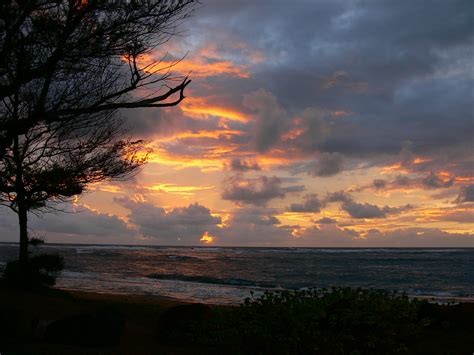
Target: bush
40	271
336	321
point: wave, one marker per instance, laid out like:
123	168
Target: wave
181	257
361	250
212	280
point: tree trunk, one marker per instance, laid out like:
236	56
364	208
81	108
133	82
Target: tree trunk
21	204
23	220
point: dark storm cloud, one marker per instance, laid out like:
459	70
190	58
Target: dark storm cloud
240	165
270	120
363	210
326	220
311	204
379	183
338	196
466	194
329	164
255	216
400	70
433	181
182	225
366	210
256	191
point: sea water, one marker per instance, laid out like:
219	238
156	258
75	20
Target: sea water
228	275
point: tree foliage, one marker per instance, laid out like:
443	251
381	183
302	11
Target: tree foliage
66	69
68	58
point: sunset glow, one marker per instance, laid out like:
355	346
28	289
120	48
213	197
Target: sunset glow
206	238
337	142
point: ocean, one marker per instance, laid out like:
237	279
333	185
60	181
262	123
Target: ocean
228	275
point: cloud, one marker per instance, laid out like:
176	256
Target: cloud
331	235
311	204
329	164
400	182
76	224
379	183
338	196
466	194
358	96
363	210
410	84
464	216
366	210
239	165
326	220
327	235
434	181
256	191
271	121
419	238
254	216
179	226
254	226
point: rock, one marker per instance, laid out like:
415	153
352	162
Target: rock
104	328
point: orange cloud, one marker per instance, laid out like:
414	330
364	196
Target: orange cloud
198	107
393	168
216	134
197	67
209	160
202	68
420	160
340	113
177	189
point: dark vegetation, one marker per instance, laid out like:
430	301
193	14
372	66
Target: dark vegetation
38	272
340	321
337	321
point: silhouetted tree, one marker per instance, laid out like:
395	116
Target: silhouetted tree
66	67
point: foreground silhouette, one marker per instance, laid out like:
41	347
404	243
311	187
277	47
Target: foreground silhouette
77	323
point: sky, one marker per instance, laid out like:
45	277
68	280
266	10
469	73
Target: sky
307	123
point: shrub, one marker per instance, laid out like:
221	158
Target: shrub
336	321
36	242
40	271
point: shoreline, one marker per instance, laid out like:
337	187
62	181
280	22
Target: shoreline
443	300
